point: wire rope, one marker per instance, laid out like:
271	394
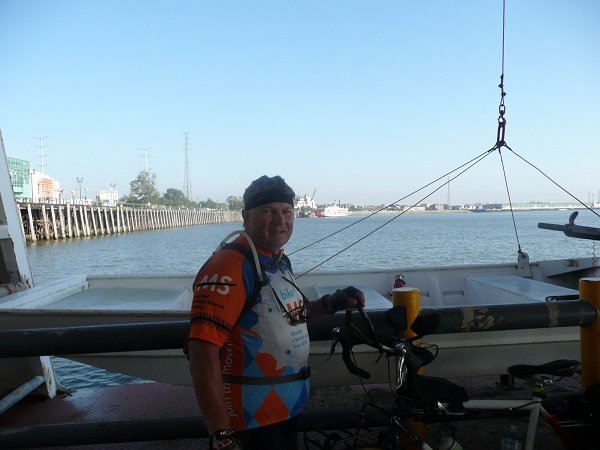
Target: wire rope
500	143
468	165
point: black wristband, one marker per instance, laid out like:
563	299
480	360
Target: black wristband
327	305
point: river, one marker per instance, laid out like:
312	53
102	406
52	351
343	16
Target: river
410	240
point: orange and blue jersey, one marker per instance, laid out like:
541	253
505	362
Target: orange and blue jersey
263	354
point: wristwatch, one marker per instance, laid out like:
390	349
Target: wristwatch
222	434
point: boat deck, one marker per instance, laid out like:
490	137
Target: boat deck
167	416
119	299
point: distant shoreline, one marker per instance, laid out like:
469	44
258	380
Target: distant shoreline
462	211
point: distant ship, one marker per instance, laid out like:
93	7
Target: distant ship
333	210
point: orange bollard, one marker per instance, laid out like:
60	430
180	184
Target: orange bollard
409	297
589	290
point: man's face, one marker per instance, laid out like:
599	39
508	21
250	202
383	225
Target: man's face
270	226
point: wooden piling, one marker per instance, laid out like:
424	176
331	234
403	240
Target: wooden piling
32	234
62	221
54	227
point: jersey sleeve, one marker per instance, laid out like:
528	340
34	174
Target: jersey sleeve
220	291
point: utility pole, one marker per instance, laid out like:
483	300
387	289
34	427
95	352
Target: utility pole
80	180
112	195
41	153
31	174
187	182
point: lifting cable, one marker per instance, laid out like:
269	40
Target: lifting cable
500	143
501	133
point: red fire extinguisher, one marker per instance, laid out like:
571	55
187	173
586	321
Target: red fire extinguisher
399	282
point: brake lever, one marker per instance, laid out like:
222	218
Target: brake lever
400	351
336	332
347	344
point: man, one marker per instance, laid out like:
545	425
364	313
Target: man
248	345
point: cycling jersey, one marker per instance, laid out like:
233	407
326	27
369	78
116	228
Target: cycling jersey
263	352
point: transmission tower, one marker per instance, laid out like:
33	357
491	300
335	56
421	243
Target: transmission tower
41	152
145	149
187	182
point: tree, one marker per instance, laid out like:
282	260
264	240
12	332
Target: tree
208	204
143	188
175	197
235	203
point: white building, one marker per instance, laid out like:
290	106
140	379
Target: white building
109	198
44	188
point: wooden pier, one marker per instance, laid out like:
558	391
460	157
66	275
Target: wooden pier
62	221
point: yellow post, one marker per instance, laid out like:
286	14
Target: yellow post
409	298
589	290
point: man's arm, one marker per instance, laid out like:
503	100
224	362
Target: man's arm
205	368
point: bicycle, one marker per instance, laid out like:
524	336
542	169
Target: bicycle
420	399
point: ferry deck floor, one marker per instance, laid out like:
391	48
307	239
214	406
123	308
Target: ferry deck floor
152	409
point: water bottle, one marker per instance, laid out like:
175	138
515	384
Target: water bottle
511	440
449	443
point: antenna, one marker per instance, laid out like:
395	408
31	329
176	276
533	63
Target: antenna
41	153
145	158
187	182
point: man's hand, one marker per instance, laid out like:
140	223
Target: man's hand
347	298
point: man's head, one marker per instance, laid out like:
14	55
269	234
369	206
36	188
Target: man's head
269	212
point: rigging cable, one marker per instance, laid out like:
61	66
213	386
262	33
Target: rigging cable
501	133
500	143
584	205
465	167
500	140
469	163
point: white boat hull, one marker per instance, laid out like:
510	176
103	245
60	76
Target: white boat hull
80	301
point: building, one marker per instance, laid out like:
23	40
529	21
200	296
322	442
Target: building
109	198
45	188
32	185
20	177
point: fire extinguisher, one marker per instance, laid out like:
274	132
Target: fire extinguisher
399	282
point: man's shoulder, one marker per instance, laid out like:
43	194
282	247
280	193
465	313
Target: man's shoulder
226	257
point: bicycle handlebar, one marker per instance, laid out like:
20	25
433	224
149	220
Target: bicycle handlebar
391	345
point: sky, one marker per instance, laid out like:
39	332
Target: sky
362	102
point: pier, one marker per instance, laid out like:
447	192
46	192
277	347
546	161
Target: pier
42	221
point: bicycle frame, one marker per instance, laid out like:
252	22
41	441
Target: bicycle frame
533	405
418	395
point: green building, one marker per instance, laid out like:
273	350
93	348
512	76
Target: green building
19	174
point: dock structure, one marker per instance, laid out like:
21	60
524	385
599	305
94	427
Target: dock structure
62	221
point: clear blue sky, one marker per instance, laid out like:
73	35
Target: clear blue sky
364	101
